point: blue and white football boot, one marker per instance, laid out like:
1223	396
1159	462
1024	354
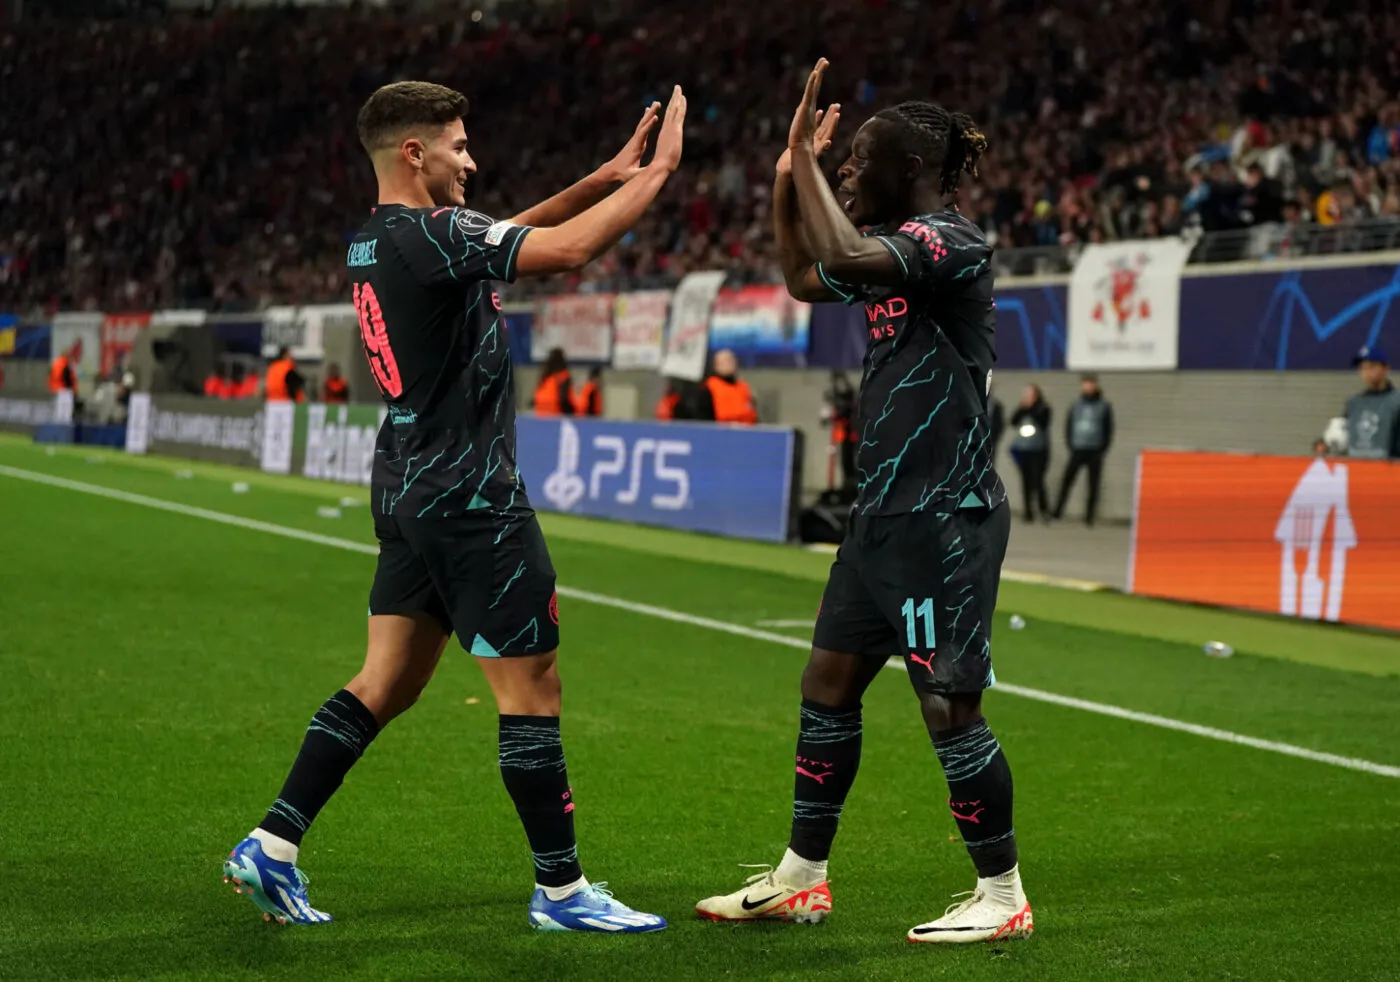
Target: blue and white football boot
278	889
591	909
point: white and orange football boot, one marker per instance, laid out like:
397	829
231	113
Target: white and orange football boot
996	911
765	897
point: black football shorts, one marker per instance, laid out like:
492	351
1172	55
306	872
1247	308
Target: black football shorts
922	587
492	585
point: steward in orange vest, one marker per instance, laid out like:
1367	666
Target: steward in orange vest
61	374
247	387
335	389
588	401
731	395
554	396
284	382
670	399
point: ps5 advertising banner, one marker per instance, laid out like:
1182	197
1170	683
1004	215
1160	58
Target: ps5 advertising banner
733	481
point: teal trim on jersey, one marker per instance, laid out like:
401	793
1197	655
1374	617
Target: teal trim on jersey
478	502
971	501
845	295
509	275
893	252
482	648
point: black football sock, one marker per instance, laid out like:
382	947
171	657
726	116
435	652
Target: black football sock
339	733
532	766
979	787
828	756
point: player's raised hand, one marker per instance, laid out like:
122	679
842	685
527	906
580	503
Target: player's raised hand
804	121
826	130
628	162
672	133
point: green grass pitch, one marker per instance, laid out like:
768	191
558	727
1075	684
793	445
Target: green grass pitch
157	671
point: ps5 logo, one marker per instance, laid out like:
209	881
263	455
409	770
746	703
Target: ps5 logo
619	471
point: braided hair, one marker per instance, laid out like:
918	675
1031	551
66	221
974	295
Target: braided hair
933	133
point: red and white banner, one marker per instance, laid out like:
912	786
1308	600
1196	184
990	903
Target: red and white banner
1124	304
83	329
580	323
761	319
119	334
639	328
688	337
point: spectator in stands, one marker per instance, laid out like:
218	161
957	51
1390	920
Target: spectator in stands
284	383
1262	199
1384	141
216	384
335	390
1030	449
731	399
588	400
554	393
1089	433
1100	106
1373	414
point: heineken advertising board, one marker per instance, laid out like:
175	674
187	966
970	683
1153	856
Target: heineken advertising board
328	443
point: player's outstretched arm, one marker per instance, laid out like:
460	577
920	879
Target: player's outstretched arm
595	187
582	239
794	253
837	246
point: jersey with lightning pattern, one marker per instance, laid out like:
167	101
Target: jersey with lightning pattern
925	438
435	337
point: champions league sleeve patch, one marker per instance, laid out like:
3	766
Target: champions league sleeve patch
471	223
497	232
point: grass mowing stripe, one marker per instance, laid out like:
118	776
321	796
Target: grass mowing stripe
679	617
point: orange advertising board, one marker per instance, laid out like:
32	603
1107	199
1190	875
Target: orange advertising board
1305	536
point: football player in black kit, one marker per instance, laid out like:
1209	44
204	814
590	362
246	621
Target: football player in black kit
460	550
918	572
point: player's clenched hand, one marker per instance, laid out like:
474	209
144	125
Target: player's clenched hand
669	139
804	121
826	129
628	162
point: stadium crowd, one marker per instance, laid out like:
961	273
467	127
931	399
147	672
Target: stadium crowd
212	159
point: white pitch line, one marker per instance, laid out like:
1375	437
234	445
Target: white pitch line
739	630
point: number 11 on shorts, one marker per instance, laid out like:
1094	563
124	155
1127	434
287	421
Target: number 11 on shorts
911	626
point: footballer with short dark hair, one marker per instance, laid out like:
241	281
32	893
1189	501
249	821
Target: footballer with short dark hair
460	550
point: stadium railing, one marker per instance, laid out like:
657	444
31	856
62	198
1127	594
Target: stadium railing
1260	243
